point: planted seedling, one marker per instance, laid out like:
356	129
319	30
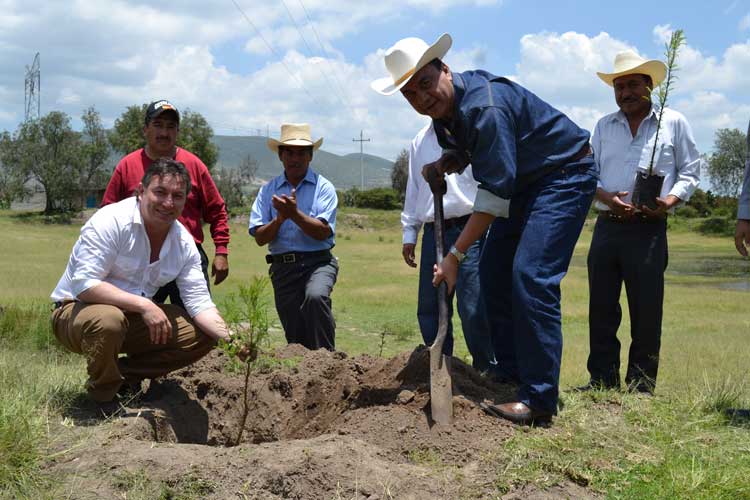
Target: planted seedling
246	315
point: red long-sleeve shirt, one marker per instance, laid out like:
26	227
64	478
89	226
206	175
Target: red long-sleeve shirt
204	202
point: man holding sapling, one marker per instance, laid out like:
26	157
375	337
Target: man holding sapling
295	215
630	242
103	301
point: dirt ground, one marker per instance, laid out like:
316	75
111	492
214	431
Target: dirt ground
320	425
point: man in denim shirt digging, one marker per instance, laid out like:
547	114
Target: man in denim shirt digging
536	180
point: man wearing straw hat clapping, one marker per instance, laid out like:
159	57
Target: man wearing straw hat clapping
295	214
630	243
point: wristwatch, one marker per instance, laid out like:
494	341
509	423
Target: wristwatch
460	256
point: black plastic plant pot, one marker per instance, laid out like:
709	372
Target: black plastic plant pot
647	189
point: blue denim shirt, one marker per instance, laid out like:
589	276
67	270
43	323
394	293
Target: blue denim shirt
316	197
507	133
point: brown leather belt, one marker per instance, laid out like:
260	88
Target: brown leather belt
636	218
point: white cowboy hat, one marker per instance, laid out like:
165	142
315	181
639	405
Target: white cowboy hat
405	58
294	134
630	63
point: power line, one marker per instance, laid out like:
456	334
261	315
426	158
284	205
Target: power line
312	53
323	51
281	60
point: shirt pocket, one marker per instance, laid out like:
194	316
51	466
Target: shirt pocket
664	159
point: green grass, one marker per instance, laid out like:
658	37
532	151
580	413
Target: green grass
676	445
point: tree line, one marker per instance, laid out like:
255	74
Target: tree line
725	166
68	165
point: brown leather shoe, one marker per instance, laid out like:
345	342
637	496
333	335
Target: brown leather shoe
518	413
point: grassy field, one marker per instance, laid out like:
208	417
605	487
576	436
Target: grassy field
676	445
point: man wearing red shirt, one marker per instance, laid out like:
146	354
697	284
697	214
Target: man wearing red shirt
204	203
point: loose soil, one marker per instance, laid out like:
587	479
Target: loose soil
320	425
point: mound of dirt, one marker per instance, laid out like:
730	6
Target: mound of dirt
320	425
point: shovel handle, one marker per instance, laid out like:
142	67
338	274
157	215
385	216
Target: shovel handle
439	254
436	182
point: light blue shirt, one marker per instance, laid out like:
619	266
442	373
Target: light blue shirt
743	204
620	155
316	197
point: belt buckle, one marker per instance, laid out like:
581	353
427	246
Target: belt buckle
288	258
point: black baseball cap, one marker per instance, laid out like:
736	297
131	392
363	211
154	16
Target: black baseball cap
158	107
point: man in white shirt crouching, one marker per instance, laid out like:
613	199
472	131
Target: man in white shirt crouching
103	305
458	203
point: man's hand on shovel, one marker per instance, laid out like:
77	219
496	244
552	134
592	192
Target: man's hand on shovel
447	270
447	164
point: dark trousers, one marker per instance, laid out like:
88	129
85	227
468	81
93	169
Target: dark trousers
525	258
470	302
171	291
634	253
302	292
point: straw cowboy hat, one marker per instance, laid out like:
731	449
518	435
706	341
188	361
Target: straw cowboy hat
405	58
294	134
630	63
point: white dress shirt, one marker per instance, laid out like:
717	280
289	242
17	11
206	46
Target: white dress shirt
114	248
419	205
620	155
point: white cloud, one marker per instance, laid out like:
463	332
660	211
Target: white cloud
68	96
662	33
745	22
115	53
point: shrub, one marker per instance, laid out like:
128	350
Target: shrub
720	226
380	198
688	212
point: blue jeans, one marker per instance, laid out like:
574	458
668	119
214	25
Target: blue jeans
471	308
524	260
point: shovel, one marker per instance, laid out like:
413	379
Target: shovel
441	390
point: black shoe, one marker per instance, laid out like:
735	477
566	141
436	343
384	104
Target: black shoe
642	386
738	415
594	385
129	393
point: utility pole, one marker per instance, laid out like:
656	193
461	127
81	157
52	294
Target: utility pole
361	159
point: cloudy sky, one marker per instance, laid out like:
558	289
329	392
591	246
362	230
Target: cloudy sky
251	64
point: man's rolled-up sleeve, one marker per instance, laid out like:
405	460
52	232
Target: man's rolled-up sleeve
492	142
326	205
260	213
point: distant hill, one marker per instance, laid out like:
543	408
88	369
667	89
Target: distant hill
342	171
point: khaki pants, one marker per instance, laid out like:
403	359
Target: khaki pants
101	332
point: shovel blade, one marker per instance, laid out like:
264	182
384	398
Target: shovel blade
441	388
